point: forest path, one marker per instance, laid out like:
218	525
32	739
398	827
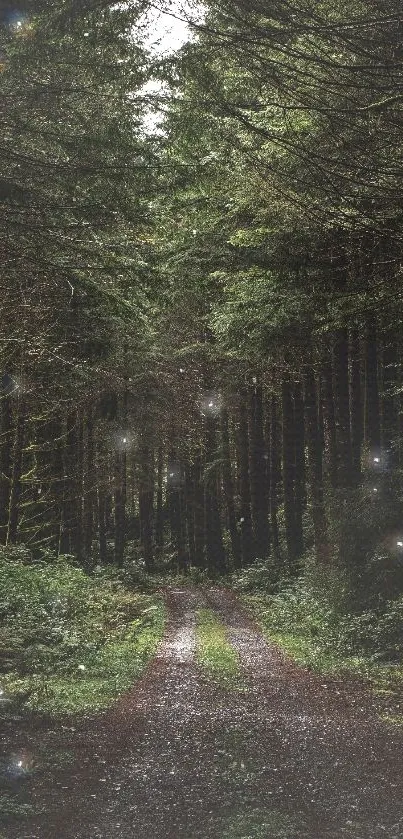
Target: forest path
289	756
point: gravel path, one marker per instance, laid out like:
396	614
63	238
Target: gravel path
291	756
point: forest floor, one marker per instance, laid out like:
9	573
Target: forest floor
280	753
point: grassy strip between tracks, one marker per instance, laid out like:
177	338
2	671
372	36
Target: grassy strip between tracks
214	651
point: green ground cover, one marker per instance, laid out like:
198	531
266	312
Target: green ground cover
214	651
316	637
70	642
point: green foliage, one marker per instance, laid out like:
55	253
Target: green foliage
260	311
312	620
261	575
199	576
134	575
366	531
214	652
69	641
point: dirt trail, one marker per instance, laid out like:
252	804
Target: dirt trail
290	757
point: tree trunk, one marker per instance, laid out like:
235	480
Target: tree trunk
79	491
146	504
372	409
176	509
342	403
120	506
258	478
244	482
199	513
213	528
6	430
300	469
228	485
103	546
275	474
288	450
72	524
121	480
356	408
329	418
159	519
190	513
315	468
390	419
89	491
16	474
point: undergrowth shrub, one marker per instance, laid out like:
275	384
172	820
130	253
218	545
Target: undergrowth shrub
321	608
57	623
259	576
366	530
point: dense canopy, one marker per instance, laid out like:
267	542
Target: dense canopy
201	271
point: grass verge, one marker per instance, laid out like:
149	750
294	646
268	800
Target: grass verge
70	643
315	653
214	651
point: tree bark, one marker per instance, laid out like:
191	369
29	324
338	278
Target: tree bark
190	513
6	431
229	493
356	407
215	553
275	474
176	509
72	523
372	408
15	493
315	468
244	482
159	519
146	503
390	418
102	527
300	469
342	405
120	506
329	418
89	490
258	478
288	457
200	559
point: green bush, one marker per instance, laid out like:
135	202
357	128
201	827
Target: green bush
260	576
316	609
365	530
61	630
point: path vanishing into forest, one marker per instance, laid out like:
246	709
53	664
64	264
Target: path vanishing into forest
289	755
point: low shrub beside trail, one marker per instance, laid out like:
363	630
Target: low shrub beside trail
70	642
313	618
